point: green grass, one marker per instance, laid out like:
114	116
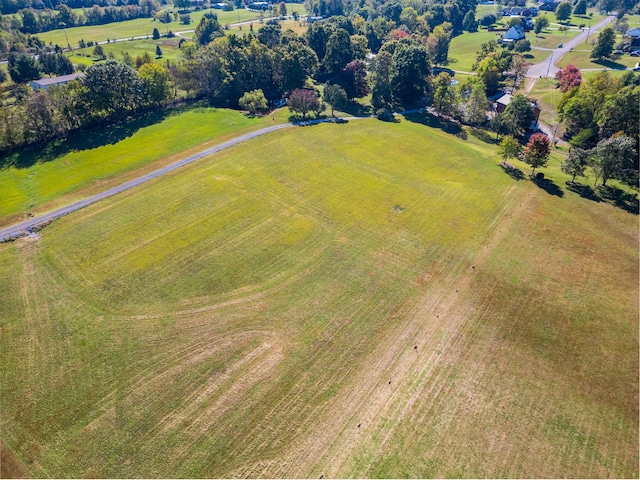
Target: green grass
255	315
145	26
580	57
548	97
44	175
463	48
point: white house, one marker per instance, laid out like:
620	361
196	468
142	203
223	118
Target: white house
513	34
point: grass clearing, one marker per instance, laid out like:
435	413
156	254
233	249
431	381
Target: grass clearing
39	179
256	313
463	49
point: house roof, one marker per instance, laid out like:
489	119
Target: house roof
504	99
634	32
514	33
54	80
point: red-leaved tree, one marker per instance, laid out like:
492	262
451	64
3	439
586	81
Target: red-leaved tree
568	78
537	151
303	100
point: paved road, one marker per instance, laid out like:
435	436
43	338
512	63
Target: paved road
33	224
24	228
547	68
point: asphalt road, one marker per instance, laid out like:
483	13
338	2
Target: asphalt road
548	67
27	226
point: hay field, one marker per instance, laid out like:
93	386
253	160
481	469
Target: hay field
360	300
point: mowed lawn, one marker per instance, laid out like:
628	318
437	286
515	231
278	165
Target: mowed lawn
368	299
90	160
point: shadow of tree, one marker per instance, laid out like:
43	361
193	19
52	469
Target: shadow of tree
441	123
512	171
356	109
548	186
585	191
86	139
628	202
605	62
483	135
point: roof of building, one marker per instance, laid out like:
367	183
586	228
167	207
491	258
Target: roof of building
634	32
54	80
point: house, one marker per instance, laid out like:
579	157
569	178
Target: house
218	6
514	34
548	6
47	82
504	100
530	12
633	33
258	6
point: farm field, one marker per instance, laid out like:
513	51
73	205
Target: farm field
145	26
309	304
38	180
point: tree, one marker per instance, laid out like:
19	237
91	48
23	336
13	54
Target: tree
182	4
489	72
580	8
575	163
612	156
158	51
519	115
55	63
619	112
23	68
488	20
270	34
518	67
469	23
155	83
410	74
563	11
253	101
283	9
156	34
335	96
540	24
380	80
98	51
444	99
207	30
295	62
438	45
568	78
339	52
475	110
509	148
113	90
536	153
353	79
303	100
604	45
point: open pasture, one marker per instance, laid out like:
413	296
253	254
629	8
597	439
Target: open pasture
86	163
368	299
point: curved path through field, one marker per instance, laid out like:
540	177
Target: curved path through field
28	226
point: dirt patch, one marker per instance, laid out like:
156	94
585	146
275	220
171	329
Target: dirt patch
10	465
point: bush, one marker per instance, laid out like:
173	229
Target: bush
385	115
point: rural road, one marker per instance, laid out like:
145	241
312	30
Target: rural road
27	226
548	67
33	224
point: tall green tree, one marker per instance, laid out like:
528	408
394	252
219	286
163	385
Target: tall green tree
154	79
438	45
444	98
469	23
113	90
335	96
23	68
208	30
563	11
339	52
576	163
475	109
380	80
411	68
519	115
612	156
580	8
509	148
604	45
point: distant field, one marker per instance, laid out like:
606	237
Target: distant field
362	300
463	48
145	26
90	162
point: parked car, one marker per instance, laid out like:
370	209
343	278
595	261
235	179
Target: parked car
637	67
560	45
635	54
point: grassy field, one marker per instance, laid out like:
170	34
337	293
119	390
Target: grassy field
39	180
580	57
145	26
463	48
313	304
